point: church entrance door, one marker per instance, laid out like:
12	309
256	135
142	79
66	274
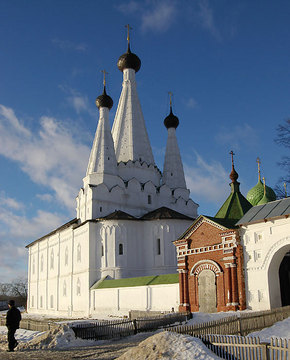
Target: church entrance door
207	291
284	277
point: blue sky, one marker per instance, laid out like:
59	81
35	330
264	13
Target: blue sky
226	62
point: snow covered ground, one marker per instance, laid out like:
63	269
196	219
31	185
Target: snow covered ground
174	346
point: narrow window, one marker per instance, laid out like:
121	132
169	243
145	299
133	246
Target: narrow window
101	209
158	247
33	265
66	257
51	301
149	199
79	257
51	259
120	249
78	287
102	250
41	263
32	301
64	289
41	304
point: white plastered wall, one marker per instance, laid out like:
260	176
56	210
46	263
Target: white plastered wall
265	244
119	301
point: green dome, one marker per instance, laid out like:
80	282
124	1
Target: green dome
257	193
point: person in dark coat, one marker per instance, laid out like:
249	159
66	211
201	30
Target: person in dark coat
13	318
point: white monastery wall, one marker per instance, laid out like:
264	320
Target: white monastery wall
119	301
265	244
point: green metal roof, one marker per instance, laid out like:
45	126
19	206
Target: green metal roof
136	281
235	206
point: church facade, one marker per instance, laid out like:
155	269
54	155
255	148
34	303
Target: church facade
128	211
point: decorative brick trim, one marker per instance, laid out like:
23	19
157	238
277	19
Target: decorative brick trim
205	265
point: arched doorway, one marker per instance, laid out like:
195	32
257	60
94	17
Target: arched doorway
284	277
279	277
207	291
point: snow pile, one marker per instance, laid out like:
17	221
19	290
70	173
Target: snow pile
62	336
169	345
279	330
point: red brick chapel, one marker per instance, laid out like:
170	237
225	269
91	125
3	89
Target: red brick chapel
210	258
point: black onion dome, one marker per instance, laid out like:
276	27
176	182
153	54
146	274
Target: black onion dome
129	61
104	100
171	121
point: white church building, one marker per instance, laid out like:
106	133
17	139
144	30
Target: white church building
128	213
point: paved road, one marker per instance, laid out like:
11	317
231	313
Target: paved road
109	350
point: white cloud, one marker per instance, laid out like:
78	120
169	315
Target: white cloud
51	157
10	202
16	231
76	100
45	197
206	18
191	103
69	45
207	180
22	227
154	15
237	136
159	17
130	7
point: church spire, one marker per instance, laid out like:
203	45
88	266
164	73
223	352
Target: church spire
102	162
129	132
236	205
173	174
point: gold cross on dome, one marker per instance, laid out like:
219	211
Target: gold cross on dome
104	73
259	168
128	32
170	97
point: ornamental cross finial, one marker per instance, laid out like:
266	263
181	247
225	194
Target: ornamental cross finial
264	181
170	98
259	168
128	33
104	73
285	189
232	155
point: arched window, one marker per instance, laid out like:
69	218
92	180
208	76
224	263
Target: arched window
149	199
66	257
64	289
51	259
41	263
102	252
33	265
121	249
158	247
79	254
78	287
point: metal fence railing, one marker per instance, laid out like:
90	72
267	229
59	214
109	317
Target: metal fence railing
100	330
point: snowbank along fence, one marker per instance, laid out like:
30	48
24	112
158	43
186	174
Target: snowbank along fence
236	325
247	348
100	330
